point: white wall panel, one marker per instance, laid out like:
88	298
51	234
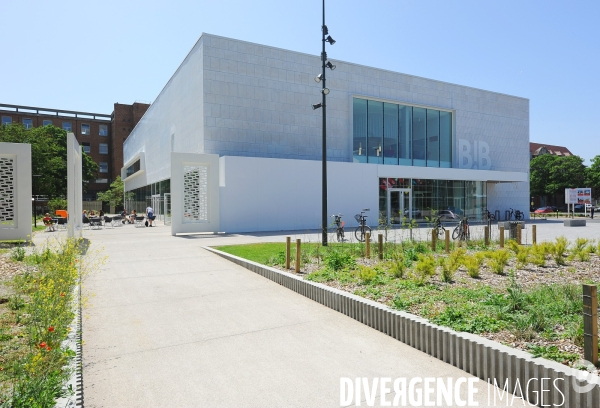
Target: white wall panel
259	194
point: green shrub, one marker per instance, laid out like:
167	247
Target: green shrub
558	250
366	274
448	269
424	269
538	255
472	264
18	254
338	260
498	260
397	265
278	259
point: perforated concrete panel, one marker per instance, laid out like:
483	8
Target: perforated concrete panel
15	191
194	193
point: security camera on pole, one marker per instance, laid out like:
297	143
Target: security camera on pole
324	92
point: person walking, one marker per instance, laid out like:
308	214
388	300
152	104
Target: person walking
149	215
592	212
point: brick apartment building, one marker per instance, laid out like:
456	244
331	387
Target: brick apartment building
100	135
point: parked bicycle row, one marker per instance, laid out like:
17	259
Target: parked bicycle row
461	231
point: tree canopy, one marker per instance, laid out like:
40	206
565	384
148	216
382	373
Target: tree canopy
115	194
48	157
550	175
593	176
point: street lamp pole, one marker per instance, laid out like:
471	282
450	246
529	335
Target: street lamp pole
324	164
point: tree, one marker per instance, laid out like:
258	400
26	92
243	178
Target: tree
593	176
115	194
551	175
48	157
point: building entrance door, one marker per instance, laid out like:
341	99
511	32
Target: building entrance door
399	205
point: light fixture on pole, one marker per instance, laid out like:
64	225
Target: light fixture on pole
324	91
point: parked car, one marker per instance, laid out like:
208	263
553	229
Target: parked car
579	208
416	213
545	210
447	215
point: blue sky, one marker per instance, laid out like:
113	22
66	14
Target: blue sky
87	55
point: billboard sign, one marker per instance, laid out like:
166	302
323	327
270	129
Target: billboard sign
578	195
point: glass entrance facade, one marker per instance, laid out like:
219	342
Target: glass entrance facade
430	196
390	133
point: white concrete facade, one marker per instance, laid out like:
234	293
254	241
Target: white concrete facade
15	191
237	99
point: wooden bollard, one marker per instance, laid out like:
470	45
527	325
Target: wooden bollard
519	234
288	251
297	256
534	234
368	242
447	241
380	242
501	237
590	324
486	233
433	239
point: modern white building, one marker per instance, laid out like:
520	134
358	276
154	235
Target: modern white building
240	114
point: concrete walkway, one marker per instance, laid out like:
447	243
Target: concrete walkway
169	324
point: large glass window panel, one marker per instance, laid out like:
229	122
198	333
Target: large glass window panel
445	139
390	133
375	132
419	128
359	144
433	138
405	135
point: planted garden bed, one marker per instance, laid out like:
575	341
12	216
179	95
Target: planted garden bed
527	297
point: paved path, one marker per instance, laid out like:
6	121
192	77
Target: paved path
169	324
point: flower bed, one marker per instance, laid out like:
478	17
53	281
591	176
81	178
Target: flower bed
34	320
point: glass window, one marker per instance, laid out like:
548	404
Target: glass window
6	120
46	122
134	168
103	148
103	167
100	181
418	132
445	139
433	138
359	147
28	123
85	147
390	133
67	126
85	129
375	132
405	131
103	130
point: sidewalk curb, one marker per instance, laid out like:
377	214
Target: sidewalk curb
556	383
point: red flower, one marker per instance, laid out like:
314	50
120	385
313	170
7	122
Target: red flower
51	329
48	348
62	294
43	344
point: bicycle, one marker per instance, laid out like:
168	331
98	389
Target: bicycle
518	214
462	231
339	231
361	231
488	215
440	231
